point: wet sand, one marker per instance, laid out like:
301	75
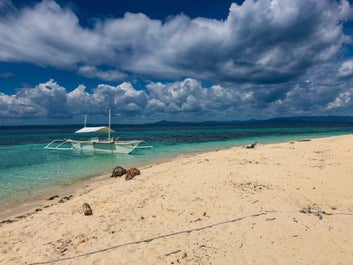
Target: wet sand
286	203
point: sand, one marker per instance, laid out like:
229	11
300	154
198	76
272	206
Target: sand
286	203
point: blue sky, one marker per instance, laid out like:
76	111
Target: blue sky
174	60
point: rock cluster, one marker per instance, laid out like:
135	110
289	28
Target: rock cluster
130	174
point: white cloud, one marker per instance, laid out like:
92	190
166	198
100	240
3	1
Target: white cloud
46	99
346	69
155	105
259	42
51	100
94	72
46	35
341	101
259	59
183	100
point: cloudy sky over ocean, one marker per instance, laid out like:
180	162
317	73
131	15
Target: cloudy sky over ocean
174	60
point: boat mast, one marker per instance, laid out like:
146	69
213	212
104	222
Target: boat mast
85	121
109	125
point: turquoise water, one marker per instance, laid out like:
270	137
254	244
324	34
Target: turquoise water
27	170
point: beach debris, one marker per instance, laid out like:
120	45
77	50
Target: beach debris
196	220
131	173
118	172
53	197
9	221
22	216
251	187
66	198
270	219
87	210
174	252
64	245
304	140
318	213
251	146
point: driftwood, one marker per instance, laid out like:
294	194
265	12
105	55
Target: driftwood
87	210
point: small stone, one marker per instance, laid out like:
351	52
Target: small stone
87	210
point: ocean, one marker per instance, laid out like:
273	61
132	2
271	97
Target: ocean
28	171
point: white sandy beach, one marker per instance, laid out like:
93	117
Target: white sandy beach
287	203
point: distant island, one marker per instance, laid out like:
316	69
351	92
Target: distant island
283	121
294	120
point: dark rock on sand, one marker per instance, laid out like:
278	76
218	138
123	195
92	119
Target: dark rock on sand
118	172
87	210
53	197
66	198
7	222
251	146
131	173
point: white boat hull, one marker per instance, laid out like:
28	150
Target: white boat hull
116	147
96	145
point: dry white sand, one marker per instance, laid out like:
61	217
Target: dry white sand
287	203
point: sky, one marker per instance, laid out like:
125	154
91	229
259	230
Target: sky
174	60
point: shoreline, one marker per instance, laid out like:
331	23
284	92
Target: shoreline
42	200
28	203
283	203
20	209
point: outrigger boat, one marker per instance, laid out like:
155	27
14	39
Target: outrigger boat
95	144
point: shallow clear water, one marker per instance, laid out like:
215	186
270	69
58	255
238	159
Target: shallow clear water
27	169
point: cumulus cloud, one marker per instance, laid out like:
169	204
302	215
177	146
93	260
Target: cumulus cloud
45	35
267	58
176	99
341	101
259	42
183	100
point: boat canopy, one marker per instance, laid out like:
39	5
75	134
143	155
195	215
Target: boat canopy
101	129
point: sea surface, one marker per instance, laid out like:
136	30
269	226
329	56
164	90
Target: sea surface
27	170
